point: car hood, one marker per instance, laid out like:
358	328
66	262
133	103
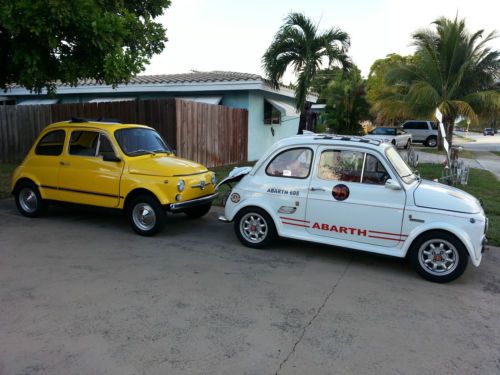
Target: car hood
165	166
431	194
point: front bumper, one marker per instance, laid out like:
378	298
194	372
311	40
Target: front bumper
178	207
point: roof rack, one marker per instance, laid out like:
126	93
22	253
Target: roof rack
78	120
350	139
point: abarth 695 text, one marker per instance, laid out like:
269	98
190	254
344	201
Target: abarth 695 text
356	193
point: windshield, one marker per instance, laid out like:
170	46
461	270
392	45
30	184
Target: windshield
140	141
383	131
400	166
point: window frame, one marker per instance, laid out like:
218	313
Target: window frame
273	109
81	131
291	149
44	136
341	150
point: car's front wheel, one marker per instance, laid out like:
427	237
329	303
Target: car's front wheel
254	227
439	256
29	202
198	211
146	215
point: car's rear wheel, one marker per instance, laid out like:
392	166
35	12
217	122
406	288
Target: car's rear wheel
254	227
198	211
431	142
29	202
439	256
146	215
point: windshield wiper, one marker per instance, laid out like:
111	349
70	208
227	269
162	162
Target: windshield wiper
142	152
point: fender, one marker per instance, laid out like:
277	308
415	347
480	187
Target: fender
254	201
23	175
440	225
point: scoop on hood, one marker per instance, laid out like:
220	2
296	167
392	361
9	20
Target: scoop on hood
165	166
431	194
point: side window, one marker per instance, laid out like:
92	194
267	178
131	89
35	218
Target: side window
374	172
421	126
294	163
410	125
341	165
51	144
83	143
105	147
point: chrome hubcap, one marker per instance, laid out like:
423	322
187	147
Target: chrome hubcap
144	216
432	142
253	227
28	200
438	257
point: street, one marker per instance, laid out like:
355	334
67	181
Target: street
82	294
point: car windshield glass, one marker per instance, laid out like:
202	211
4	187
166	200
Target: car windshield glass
403	170
383	131
140	141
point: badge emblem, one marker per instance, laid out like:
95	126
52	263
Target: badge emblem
340	192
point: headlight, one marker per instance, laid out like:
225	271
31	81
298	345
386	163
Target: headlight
181	185
214	179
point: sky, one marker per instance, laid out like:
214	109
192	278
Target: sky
233	35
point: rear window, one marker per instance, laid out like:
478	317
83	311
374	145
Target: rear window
51	144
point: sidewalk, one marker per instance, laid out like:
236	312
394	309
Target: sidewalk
489	161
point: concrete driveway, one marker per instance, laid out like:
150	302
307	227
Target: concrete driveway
81	294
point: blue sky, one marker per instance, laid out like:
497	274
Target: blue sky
232	35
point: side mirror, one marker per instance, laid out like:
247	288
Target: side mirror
111	157
393	185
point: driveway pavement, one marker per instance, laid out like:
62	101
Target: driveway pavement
81	294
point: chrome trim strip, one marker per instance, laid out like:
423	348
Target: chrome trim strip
192	202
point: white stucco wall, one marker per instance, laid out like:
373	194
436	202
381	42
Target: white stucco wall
260	137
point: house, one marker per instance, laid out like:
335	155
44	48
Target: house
271	113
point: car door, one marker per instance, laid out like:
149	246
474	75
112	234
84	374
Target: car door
46	162
84	177
348	199
284	182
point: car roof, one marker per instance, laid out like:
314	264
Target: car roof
330	139
107	125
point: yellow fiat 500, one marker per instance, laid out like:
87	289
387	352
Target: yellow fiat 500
114	165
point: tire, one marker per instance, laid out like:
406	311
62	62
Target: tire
29	202
146	215
198	211
427	253
245	227
431	141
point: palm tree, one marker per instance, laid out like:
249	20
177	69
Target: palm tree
299	44
452	70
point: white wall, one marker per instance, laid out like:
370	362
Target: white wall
260	137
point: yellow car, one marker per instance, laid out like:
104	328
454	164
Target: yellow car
108	164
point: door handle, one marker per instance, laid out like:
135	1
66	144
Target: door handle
317	189
63	163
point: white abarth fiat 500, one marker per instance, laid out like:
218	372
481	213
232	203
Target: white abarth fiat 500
356	193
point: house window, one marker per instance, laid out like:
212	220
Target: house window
271	115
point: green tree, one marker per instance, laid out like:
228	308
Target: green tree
346	104
300	45
42	42
453	70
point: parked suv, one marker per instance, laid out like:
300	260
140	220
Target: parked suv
488	131
356	193
128	167
422	131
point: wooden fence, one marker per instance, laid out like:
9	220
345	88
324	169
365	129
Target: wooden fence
209	134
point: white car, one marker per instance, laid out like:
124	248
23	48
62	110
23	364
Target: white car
397	137
356	193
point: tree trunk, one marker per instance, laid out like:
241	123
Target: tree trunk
449	126
302	122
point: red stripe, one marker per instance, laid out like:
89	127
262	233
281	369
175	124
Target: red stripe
390	234
289	218
385	238
297	225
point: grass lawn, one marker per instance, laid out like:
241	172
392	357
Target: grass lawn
466	154
464	139
5	174
497	153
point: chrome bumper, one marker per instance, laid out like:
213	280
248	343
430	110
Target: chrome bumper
192	203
